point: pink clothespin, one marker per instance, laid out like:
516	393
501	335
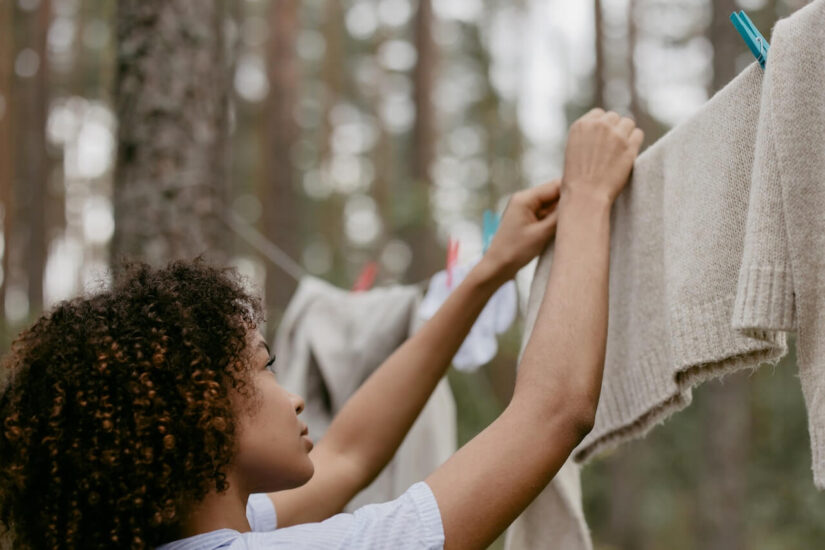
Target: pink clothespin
366	278
452	258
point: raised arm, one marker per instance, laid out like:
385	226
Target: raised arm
492	479
370	427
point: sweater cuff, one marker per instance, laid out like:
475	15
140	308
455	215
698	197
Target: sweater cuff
764	299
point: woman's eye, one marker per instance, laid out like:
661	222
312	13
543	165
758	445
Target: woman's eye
270	365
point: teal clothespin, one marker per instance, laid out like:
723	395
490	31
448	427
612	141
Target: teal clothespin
489	228
753	38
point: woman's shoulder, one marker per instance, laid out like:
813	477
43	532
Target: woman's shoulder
410	521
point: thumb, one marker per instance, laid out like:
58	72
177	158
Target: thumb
546	226
546	192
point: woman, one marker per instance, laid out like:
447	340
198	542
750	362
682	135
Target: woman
148	415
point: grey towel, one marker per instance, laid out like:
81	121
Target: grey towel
329	341
717	251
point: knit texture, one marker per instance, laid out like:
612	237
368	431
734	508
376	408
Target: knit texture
676	247
782	278
717	251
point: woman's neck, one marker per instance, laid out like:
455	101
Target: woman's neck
225	510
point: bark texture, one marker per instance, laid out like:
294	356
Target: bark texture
421	236
726	424
599	77
172	105
6	167
280	197
31	171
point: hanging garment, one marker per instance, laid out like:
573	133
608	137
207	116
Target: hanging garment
555	519
782	277
481	343
329	341
717	250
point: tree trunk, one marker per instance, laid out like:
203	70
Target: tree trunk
171	99
632	38
726	44
6	157
280	200
598	81
725	452
335	84
624	523
724	405
31	173
421	234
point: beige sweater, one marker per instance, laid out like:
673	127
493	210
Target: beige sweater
782	277
717	250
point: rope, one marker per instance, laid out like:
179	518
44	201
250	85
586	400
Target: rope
270	250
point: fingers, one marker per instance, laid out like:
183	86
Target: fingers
547	210
546	226
612	117
626	126
547	192
636	138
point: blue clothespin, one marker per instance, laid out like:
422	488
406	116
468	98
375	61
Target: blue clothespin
489	228
753	38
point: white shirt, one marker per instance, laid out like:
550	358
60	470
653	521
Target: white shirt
412	521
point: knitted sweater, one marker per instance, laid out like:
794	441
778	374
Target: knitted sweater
717	250
782	277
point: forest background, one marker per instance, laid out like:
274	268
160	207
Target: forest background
345	132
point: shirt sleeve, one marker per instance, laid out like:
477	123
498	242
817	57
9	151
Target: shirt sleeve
260	512
410	522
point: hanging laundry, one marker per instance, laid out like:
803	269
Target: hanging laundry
782	276
717	251
481	344
329	341
555	519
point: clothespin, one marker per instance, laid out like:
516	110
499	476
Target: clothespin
489	228
366	278
452	258
753	38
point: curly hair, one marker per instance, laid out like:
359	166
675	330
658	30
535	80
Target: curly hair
118	407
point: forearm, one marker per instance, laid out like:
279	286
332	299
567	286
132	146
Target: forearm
373	422
567	345
493	478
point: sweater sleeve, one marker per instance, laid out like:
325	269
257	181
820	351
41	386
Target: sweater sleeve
765	289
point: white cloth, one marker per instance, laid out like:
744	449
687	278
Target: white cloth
329	341
260	512
411	522
481	344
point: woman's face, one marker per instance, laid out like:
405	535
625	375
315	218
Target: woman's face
273	444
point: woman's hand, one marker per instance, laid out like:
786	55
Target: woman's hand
601	149
527	224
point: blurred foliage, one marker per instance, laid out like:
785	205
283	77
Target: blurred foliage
782	508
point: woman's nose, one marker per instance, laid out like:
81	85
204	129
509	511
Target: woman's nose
298	402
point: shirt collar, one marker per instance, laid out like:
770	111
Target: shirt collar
204	541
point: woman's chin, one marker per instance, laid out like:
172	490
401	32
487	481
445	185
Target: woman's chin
304	476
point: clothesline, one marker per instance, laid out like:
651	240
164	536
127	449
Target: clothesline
270	250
